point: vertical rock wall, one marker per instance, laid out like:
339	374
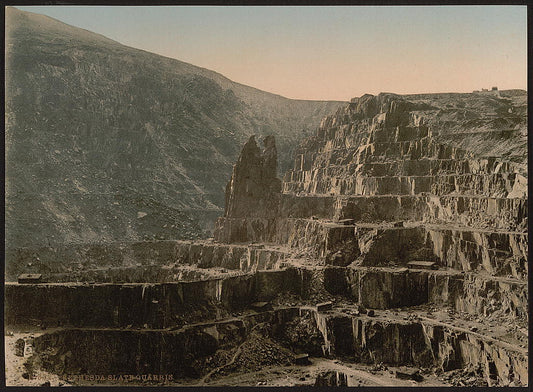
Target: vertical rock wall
252	195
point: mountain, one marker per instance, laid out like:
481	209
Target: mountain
105	142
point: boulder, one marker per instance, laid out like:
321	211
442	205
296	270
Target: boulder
331	378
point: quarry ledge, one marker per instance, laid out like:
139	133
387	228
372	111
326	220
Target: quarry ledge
343	335
246	320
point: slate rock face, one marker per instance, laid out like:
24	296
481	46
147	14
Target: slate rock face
253	195
386	159
254	189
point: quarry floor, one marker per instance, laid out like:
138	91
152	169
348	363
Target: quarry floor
293	375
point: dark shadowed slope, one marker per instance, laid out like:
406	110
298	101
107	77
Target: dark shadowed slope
105	142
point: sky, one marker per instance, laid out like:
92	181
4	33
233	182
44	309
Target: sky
327	53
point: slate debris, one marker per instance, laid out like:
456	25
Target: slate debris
331	378
414	375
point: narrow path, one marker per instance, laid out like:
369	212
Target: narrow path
297	375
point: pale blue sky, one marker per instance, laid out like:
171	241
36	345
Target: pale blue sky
328	52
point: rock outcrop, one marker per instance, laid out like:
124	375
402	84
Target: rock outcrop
331	378
254	189
252	194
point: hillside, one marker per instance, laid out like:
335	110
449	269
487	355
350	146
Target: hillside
105	142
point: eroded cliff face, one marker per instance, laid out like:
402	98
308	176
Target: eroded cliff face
420	244
252	195
375	163
254	188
